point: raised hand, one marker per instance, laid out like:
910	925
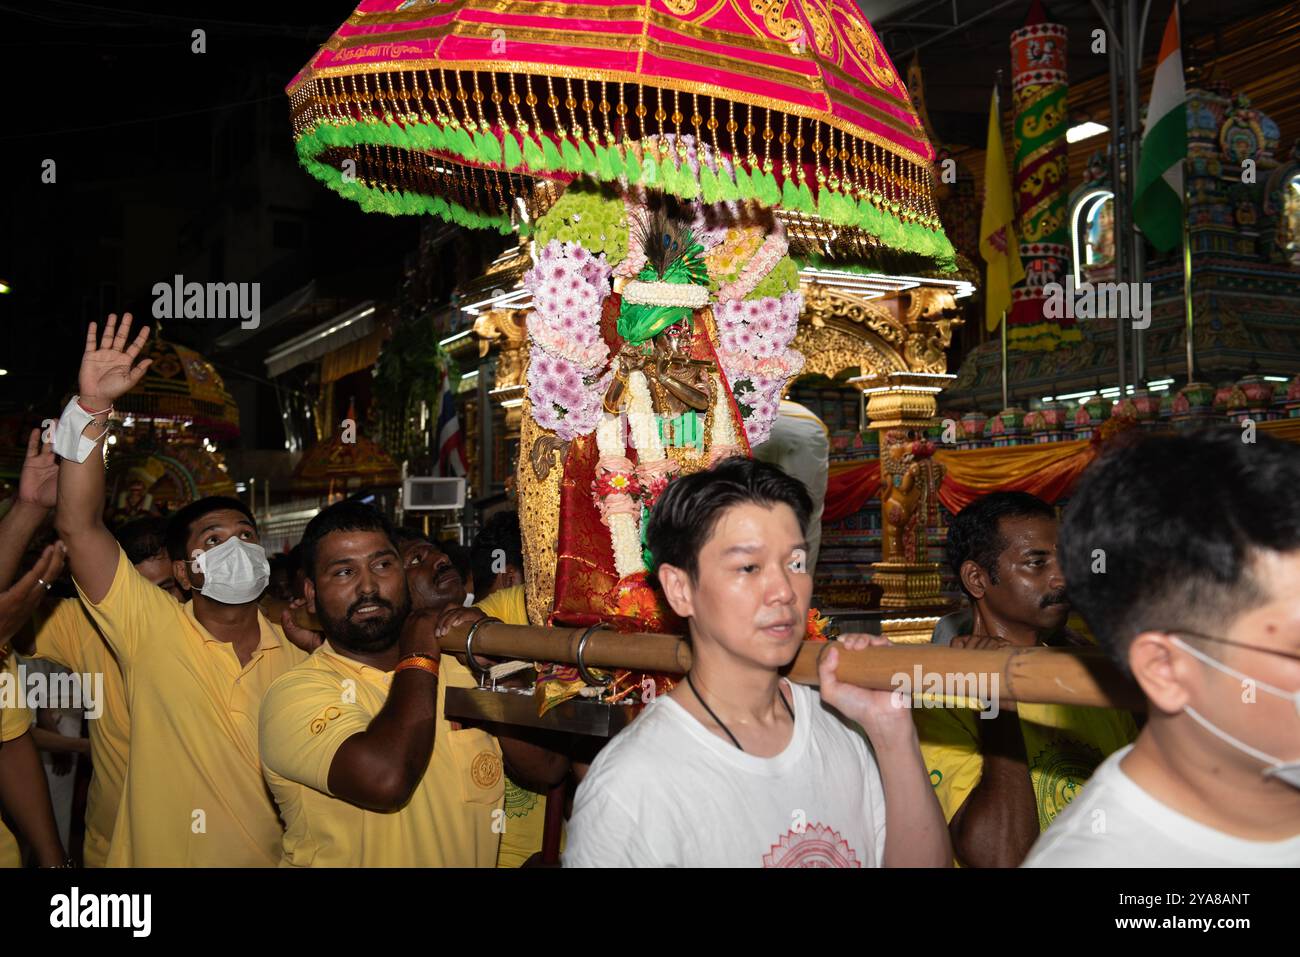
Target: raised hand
39	482
18	603
109	370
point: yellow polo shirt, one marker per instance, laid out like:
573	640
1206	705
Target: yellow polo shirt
525	821
1063	743
508	604
194	794
15	721
68	637
453	817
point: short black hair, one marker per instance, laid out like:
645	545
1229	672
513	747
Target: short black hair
179	522
403	536
340	517
143	538
684	517
974	535
500	534
1178	521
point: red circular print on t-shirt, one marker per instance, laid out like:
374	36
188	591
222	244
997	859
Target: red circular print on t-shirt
816	846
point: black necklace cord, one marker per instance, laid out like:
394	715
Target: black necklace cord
696	691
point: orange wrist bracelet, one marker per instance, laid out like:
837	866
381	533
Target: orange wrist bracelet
422	662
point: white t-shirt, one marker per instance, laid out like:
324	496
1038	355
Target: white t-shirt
1114	823
666	792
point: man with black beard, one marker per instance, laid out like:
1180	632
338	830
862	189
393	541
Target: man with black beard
364	767
1003	779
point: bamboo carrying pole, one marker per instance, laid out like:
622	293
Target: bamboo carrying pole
1081	676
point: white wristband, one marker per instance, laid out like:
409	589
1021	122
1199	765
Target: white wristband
68	439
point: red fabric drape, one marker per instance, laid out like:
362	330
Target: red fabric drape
850	486
1048	471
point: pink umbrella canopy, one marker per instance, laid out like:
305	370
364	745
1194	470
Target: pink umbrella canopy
482	111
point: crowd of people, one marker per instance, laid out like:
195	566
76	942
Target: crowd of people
291	711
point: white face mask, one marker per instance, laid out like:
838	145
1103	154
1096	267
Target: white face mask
1286	771
235	572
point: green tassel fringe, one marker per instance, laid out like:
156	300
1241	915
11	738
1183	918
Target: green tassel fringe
572	160
541	154
514	157
551	153
587	158
533	154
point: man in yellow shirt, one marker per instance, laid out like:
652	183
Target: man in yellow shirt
195	673
365	768
68	637
1001	780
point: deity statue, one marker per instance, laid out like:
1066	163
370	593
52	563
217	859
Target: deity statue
909	487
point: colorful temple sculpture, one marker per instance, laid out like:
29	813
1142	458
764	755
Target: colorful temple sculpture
167	455
1243	209
711	203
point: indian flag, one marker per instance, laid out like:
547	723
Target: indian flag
1158	194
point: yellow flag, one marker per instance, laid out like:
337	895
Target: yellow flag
998	244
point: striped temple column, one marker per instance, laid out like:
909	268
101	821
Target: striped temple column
1040	86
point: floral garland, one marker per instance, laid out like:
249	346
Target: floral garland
753	347
625	493
722	434
567	353
771	252
616	488
655	293
598	224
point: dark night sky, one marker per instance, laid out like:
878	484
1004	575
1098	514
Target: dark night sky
159	152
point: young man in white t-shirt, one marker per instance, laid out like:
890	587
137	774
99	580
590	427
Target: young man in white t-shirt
737	767
1183	555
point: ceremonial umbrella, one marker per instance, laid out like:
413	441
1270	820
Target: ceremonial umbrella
482	111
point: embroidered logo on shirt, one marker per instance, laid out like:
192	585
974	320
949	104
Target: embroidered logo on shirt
817	846
519	801
1059	772
319	722
485	769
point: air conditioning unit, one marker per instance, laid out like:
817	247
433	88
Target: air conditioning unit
433	494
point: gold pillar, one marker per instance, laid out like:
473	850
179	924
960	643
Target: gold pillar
902	405
507	330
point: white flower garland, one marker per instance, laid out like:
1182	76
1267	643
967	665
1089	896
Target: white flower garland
665	294
641	418
624	530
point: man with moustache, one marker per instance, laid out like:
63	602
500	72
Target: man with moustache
1002	776
364	766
